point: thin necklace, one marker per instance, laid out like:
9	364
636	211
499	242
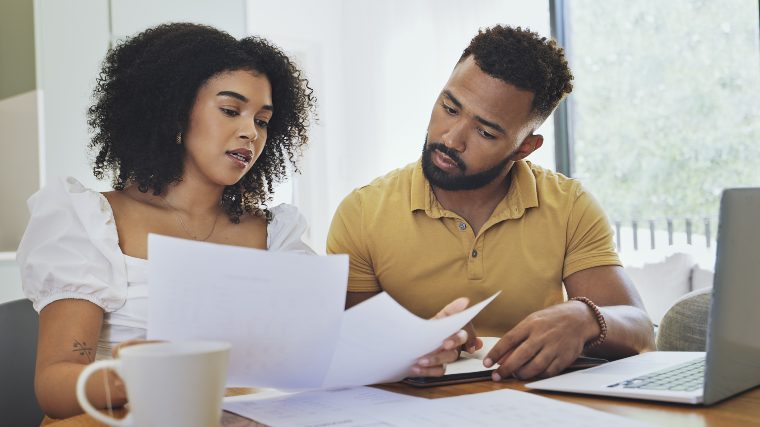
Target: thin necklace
184	227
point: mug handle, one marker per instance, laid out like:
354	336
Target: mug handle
90	369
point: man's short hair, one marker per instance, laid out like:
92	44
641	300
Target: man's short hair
525	60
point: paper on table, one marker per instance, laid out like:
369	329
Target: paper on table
344	407
280	311
380	340
498	408
364	406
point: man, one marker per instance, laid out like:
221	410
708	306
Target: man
473	217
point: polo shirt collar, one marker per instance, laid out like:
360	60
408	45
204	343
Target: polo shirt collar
522	194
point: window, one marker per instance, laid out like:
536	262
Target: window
665	111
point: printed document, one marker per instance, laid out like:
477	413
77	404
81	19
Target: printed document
364	406
344	407
280	311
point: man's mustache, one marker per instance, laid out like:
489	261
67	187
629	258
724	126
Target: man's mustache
449	152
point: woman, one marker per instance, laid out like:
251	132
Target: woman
193	127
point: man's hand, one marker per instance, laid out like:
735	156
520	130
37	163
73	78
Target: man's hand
544	343
434	364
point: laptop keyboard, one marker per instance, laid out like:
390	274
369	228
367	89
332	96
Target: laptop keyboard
687	376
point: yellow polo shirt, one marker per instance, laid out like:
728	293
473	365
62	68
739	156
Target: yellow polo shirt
402	241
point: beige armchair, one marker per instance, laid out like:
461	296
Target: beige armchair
684	325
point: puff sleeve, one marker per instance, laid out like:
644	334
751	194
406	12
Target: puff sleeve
70	249
286	229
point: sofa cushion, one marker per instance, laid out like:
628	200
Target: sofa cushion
701	278
660	279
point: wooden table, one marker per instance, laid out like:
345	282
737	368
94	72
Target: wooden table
741	410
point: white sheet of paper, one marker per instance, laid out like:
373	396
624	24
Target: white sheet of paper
344	407
472	362
380	340
364	406
518	408
280	311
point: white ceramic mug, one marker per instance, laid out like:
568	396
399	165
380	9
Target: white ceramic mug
167	383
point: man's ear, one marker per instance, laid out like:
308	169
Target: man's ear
530	144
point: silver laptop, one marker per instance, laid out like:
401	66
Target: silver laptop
732	361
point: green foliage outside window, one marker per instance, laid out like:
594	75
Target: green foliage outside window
666	105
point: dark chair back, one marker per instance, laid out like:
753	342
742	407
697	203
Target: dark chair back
18	351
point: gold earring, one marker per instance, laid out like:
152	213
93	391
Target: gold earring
179	138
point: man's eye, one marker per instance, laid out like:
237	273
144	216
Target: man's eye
485	134
229	112
262	124
448	109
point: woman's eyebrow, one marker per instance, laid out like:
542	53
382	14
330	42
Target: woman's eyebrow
232	95
240	97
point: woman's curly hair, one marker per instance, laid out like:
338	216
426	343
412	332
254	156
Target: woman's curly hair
146	91
525	60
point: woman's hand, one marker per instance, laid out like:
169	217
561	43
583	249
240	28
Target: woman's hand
473	343
434	364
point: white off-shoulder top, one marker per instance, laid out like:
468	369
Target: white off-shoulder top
70	249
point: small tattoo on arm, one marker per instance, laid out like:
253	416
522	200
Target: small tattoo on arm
83	350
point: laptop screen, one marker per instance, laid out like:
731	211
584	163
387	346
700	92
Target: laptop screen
733	342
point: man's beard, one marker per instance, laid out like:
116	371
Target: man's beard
445	181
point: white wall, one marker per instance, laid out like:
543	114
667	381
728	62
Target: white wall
72	37
19	178
19	170
128	17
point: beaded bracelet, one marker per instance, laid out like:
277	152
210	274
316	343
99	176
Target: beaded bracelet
599	319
